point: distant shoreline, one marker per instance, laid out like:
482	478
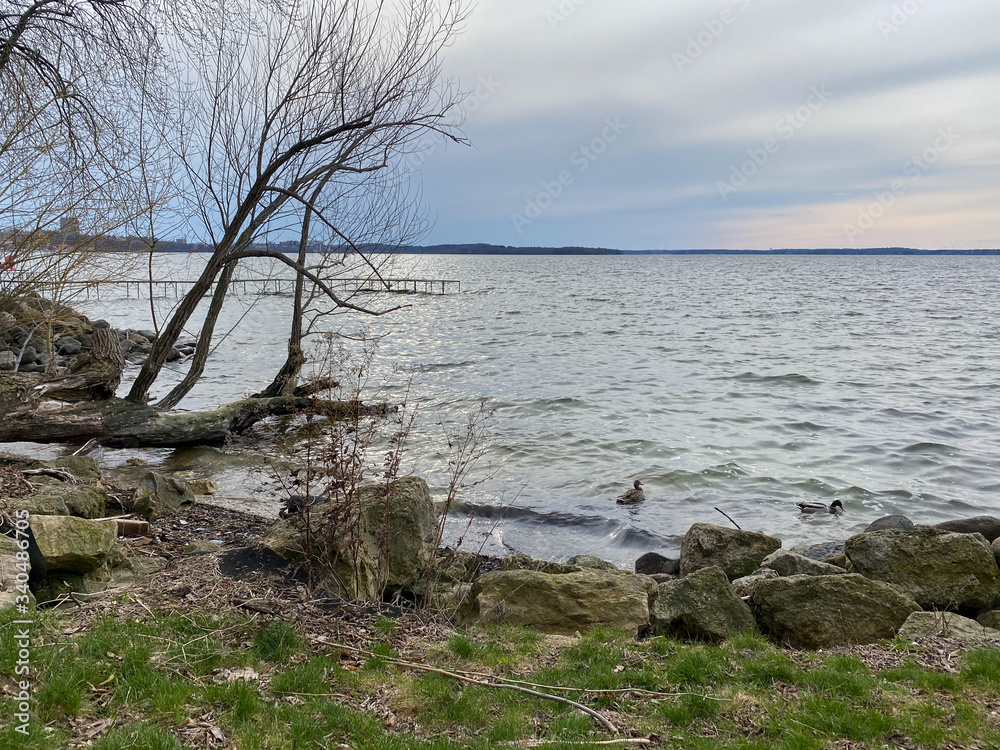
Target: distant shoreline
484	249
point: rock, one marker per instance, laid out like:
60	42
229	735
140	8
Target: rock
61	499
988	526
54	587
457	566
995	547
821	611
840	561
519	561
68	346
75	545
85	468
393	543
659	578
590	562
745	586
564	603
652	563
789	564
890	522
822	551
947	625
159	496
148	335
202	486
10	568
940	569
701	605
738	553
990	619
173	355
8	360
28	355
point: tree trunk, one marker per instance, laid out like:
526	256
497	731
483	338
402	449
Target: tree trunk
121	423
204	345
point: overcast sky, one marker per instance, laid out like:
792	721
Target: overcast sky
649	124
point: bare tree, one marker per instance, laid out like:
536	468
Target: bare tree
293	121
74	82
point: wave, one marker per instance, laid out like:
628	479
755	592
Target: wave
792	378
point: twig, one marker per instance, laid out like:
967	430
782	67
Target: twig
727	516
598	691
57	473
425	668
543	743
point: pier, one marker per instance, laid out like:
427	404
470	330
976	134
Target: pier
255	287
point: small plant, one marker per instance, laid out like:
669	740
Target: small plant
365	530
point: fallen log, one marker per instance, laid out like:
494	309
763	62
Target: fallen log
119	423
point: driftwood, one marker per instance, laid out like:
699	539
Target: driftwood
119	423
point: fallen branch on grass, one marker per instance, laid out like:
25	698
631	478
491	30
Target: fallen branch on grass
482	683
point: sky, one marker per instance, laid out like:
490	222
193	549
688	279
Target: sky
749	124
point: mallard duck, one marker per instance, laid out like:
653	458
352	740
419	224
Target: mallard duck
817	507
634	495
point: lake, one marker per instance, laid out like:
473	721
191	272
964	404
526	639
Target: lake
731	382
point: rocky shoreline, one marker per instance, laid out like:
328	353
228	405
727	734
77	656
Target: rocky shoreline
894	579
28	346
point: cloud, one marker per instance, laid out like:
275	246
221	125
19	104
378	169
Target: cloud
898	72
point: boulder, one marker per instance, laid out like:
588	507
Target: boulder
995	547
519	561
384	541
560	603
75	545
8	360
789	564
62	499
947	625
990	619
890	522
68	346
85	468
840	561
988	526
738	553
745	586
821	551
702	605
458	566
202	486
160	496
940	569
590	562
651	564
10	566
821	611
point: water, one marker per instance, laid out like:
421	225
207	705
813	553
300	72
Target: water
740	383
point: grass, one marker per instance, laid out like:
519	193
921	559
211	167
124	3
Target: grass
169	676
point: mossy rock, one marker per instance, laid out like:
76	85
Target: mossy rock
703	605
564	603
815	612
75	545
382	541
942	570
738	553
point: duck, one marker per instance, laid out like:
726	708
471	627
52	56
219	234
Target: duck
634	495
817	507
